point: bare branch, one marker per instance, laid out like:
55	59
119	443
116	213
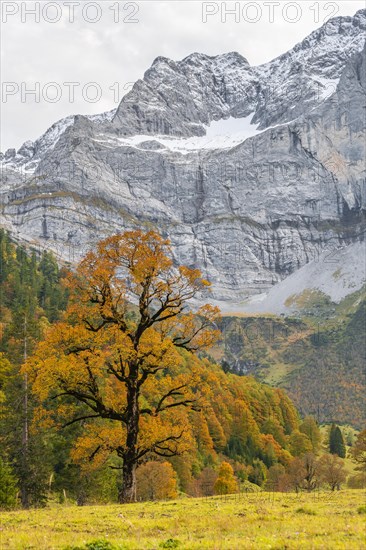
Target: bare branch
79	419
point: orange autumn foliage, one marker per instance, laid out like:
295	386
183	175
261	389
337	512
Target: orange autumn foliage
115	351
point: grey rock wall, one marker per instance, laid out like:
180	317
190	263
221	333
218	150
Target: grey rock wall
248	215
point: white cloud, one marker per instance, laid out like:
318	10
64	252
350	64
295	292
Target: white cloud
109	52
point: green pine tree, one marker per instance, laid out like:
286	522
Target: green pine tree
31	296
336	442
8	486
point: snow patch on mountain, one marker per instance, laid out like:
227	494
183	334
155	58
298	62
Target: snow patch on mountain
220	134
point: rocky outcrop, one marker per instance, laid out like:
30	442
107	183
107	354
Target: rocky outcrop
248	212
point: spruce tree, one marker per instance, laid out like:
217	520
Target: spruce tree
336	442
8	486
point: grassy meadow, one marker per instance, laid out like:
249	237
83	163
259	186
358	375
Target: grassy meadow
248	521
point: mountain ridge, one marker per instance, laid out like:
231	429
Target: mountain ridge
357	21
248	212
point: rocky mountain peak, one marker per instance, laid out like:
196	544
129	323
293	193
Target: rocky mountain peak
248	207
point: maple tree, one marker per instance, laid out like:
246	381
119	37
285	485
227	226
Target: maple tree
311	471
310	428
297	473
331	470
358	451
300	444
114	355
156	481
226	482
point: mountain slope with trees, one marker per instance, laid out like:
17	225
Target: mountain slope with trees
318	358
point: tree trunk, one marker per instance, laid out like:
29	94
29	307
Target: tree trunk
128	491
24	496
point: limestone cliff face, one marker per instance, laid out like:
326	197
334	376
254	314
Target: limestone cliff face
248	210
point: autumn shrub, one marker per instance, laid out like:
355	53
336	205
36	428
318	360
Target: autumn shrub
170	543
100	544
307	511
156	480
274	476
248	487
204	485
357	481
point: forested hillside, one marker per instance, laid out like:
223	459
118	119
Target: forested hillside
237	419
31	297
318	358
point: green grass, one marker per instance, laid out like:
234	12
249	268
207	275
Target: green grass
253	521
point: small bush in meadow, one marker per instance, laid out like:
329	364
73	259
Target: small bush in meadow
248	487
357	481
361	509
170	543
306	511
100	544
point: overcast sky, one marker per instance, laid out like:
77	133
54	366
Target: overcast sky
66	46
